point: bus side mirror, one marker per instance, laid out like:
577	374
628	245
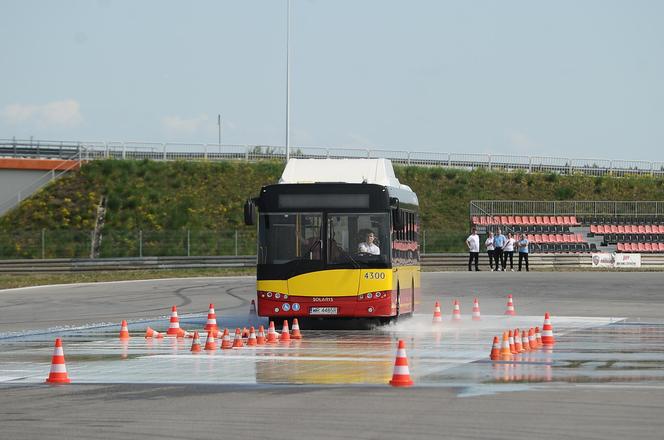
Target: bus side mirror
249	213
397	219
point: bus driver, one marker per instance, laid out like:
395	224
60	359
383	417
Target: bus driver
368	246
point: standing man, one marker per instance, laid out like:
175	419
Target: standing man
498	243
523	251
490	249
473	243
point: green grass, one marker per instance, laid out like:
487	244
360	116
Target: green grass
167	200
38	279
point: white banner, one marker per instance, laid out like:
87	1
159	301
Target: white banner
615	260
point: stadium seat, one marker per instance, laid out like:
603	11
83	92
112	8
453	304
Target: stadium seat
647	229
518	220
546	220
620	247
660	247
559	220
567	221
510	220
593	229
614	229
621	229
648	247
475	220
539	220
503	220
579	238
532	220
574	221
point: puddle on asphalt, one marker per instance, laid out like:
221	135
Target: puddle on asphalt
588	350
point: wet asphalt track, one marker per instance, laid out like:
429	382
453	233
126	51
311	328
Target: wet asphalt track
605	382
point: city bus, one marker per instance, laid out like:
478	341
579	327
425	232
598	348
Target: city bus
337	239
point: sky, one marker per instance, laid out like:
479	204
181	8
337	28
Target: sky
580	78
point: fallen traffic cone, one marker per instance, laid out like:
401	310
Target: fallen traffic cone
401	374
510	306
251	341
524	341
495	349
210	343
124	332
211	323
437	316
174	326
196	344
476	310
505	352
271	334
538	336
285	335
518	347
260	338
151	333
510	339
295	331
532	340
237	340
58	372
547	331
226	340
456	313
182	333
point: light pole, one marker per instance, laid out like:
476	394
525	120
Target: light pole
219	124
288	31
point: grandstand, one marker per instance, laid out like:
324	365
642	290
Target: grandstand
576	226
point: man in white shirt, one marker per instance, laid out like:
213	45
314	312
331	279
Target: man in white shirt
473	243
368	247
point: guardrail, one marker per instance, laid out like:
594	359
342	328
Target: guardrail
91	150
447	261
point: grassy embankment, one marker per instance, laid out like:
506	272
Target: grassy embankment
169	201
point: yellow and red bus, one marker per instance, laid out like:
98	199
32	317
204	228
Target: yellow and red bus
316	258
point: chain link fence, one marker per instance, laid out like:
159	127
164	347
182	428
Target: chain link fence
67	243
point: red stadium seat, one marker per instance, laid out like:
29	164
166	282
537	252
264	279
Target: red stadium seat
537	238
510	220
629	229
593	229
647	229
559	220
518	220
620	247
539	220
600	229
532	220
641	247
575	222
621	229
503	220
660	247
567	221
580	238
613	229
648	247
475	220
546	220
657	229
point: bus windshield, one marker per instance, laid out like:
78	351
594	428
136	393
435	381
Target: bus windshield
288	237
358	238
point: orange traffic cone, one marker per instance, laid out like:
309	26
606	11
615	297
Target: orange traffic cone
518	347
547	331
510	339
505	352
271	334
495	349
437	316
524	341
174	326
285	335
456	313
124	332
211	323
251	341
237	340
226	340
532	340
538	336
476	310
260	338
151	333
58	372
196	343
510	306
245	332
295	331
401	374
210	343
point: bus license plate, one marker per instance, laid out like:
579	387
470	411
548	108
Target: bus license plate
323	311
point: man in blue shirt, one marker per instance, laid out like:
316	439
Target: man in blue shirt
498	243
523	251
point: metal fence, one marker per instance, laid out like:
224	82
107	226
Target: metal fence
72	243
91	150
579	208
